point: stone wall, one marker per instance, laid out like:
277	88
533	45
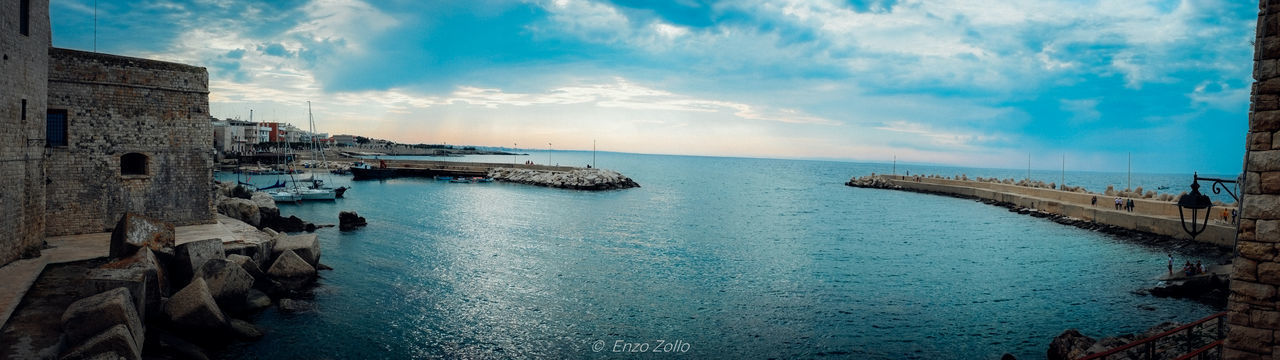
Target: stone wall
23	77
1252	307
118	106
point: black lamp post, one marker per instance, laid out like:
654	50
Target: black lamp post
1195	201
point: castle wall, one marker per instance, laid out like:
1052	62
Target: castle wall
117	106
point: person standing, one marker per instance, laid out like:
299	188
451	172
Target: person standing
1233	216
1117	203
1170	264
1094	202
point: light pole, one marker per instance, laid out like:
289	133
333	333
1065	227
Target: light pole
548	153
1195	201
514	148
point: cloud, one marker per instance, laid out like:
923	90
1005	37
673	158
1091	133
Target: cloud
935	137
1082	110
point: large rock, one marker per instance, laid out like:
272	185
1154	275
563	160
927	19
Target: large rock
256	300
1069	345
305	245
240	209
193	308
135	231
190	256
163	345
266	204
349	220
291	266
227	281
134	282
245	330
295	306
93	315
116	341
250	266
157	285
259	251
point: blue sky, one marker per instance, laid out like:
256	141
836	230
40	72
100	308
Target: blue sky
973	83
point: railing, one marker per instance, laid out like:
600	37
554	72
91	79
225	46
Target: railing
1183	342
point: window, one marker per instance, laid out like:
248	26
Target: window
55	128
24	12
133	164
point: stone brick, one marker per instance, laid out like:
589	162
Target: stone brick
1250	339
1264	121
1257	251
1237	354
1269	273
1268	231
1269	182
1261	206
1262	161
1267	48
1259	140
1253	290
1244	269
1264	103
1266	69
1265	319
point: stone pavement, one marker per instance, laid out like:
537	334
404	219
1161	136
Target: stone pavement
17	277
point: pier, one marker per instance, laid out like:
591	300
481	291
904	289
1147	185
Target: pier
564	177
1149	216
428	168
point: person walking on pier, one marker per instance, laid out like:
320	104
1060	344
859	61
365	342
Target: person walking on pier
1233	216
1131	204
1117	203
1094	202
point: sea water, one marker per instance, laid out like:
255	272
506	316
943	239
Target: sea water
710	258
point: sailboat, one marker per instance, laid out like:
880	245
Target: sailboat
314	188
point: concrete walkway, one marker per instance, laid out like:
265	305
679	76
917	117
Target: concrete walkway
17	277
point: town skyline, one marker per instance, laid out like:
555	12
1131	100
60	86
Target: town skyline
954	82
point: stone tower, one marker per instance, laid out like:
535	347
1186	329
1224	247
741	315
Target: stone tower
24	72
1253	314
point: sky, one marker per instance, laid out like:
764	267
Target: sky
953	82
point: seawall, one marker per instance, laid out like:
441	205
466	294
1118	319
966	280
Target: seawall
1150	216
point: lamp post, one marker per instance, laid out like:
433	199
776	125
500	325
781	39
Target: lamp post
1196	202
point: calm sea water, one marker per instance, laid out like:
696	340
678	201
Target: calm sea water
737	258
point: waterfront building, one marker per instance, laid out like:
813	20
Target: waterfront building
344	140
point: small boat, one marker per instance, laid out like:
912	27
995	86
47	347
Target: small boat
340	172
460	181
444	178
484	180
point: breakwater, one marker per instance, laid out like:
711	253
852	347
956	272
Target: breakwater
577	179
564	177
1153	217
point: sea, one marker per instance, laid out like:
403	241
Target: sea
712	257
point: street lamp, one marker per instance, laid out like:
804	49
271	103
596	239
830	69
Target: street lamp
1196	202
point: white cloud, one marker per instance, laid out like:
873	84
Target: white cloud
1082	110
941	138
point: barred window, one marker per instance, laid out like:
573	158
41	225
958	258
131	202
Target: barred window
55	128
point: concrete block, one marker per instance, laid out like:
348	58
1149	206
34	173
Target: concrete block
133	281
116	340
92	315
135	231
305	245
190	256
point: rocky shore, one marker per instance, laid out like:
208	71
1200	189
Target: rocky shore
155	298
577	179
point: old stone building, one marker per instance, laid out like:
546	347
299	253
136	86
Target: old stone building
24	66
135	139
88	136
1252	308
